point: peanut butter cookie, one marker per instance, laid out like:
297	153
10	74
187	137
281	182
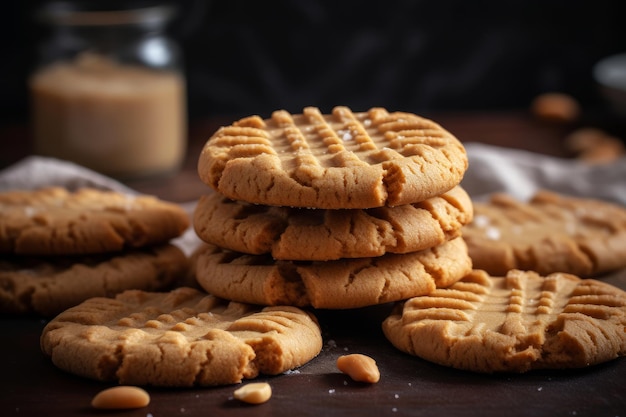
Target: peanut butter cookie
181	338
56	221
333	161
516	323
320	235
549	233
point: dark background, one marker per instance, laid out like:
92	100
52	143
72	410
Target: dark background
251	57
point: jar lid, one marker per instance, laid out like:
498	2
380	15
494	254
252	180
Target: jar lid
106	13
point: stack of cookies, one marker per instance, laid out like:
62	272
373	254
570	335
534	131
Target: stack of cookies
59	248
333	211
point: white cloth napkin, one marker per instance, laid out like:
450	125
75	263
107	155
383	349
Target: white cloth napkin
522	173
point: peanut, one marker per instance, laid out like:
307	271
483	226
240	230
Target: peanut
121	397
359	367
555	107
254	393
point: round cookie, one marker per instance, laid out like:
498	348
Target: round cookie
333	161
47	286
55	221
549	233
321	235
341	284
516	323
180	338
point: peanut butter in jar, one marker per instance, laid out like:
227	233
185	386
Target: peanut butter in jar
109	92
121	120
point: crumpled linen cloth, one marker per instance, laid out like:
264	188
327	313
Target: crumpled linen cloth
521	174
491	169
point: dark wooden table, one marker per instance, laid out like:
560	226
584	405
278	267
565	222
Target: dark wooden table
31	386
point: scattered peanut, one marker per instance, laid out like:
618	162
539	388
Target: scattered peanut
359	367
121	397
555	107
594	145
254	393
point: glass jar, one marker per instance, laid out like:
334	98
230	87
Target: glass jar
109	91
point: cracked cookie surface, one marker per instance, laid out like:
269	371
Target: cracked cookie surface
549	233
516	323
180	338
340	160
321	235
340	284
56	221
46	286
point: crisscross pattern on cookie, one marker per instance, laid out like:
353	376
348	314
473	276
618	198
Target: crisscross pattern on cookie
181	338
549	233
338	160
56	221
514	323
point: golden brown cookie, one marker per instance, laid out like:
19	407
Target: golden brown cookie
181	338
321	235
55	221
549	233
513	324
340	284
47	286
333	161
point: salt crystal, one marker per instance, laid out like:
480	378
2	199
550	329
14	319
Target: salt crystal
481	220
291	371
493	233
